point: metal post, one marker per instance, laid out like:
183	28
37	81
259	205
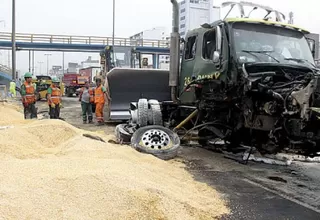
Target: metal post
113	26
48	63
40	63
33	72
9	55
62	63
13	39
113	17
29	61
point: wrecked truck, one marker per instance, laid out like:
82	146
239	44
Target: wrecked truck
242	80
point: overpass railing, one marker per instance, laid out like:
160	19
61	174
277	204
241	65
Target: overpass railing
5	69
93	40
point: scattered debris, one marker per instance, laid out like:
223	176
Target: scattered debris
278	179
93	137
296	157
244	157
285	162
5	127
112	142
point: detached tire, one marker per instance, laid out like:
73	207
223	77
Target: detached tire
155	112
123	136
156	140
142	112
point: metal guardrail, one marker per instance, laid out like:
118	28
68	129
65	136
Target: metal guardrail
91	40
5	69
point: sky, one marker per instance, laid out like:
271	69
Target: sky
94	18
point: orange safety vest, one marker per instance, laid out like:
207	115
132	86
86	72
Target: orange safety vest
30	96
91	93
99	95
55	95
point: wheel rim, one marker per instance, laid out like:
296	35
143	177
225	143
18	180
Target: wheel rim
156	139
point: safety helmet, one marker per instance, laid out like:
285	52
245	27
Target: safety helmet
55	80
27	75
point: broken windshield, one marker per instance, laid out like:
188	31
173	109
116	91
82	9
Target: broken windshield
262	43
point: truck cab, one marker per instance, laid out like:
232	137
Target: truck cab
217	51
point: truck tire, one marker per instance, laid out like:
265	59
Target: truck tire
122	134
156	140
142	112
68	92
155	112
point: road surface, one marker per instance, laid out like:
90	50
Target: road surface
253	191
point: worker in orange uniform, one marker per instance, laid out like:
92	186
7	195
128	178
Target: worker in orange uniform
54	99
100	97
86	98
28	97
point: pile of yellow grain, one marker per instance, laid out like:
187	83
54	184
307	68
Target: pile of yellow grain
48	170
9	114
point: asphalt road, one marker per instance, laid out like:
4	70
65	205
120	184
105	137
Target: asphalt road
253	191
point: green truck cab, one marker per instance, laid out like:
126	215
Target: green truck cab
217	51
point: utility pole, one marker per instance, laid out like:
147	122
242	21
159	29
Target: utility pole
114	24
13	39
29	61
62	63
9	55
33	72
48	63
40	63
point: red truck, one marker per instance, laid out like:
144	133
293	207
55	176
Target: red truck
72	82
90	72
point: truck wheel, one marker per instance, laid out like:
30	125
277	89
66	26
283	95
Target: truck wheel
123	134
142	112
69	92
156	140
155	112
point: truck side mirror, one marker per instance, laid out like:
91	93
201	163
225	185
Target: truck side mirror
218	39
217	52
216	57
182	43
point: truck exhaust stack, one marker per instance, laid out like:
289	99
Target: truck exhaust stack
174	51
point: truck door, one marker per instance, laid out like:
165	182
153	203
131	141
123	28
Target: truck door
187	65
207	64
212	55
